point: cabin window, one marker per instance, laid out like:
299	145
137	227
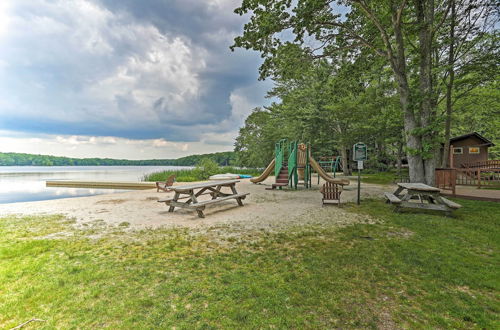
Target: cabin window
473	150
458	151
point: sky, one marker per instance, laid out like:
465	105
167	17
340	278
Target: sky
124	78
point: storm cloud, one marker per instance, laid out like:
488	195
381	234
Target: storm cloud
152	70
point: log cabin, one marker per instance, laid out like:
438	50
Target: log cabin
468	149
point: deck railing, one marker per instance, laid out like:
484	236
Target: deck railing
448	178
487	164
489	177
479	177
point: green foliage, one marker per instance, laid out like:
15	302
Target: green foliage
196	175
180	176
255	142
330	106
19	159
205	168
480	112
343	79
407	271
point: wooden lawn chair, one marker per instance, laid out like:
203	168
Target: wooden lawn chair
331	193
165	186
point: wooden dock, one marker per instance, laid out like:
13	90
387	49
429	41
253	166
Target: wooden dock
129	185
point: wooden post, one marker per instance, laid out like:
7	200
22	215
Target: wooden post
450	152
172	207
479	177
359	186
453	180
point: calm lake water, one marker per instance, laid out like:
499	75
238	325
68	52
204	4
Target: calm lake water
27	183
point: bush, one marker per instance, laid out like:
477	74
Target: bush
203	171
205	168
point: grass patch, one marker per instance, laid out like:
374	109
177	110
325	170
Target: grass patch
490	187
413	270
387	177
194	174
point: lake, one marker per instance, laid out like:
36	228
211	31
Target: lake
27	183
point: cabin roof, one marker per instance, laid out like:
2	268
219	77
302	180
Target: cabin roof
476	134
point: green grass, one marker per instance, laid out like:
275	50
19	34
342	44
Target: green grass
379	177
490	187
410	270
196	175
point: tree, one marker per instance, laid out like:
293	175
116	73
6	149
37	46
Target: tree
401	32
330	105
469	56
253	142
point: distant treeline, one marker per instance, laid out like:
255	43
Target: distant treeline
19	159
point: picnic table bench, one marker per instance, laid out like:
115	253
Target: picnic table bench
193	191
420	196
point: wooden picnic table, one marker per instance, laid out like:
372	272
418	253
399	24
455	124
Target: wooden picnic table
193	191
420	196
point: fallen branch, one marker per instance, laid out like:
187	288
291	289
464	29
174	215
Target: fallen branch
29	321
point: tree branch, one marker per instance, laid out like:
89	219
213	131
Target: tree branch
383	32
353	35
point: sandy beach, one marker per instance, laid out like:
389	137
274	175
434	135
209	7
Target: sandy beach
262	208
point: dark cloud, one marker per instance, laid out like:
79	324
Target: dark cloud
134	69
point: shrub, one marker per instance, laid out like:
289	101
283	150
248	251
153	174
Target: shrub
205	168
196	174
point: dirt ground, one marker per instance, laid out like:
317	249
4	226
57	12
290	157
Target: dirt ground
263	209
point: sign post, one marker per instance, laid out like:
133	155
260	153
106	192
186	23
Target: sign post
359	155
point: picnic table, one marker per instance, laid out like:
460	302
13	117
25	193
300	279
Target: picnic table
193	191
420	196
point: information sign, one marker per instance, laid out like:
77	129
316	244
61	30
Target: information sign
359	152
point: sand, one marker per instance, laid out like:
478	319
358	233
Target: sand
263	209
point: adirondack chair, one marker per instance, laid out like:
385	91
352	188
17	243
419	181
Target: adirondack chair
331	192
165	186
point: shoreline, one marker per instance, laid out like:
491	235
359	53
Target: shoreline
140	209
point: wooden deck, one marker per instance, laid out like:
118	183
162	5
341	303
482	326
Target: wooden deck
102	184
472	193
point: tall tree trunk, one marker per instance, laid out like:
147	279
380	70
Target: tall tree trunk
413	140
344	153
445	162
425	17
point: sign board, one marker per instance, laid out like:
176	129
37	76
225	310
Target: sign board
360	164
359	152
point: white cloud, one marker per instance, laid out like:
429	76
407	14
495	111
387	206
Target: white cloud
80	140
95	77
105	146
4	17
118	68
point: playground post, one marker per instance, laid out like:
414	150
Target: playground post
359	155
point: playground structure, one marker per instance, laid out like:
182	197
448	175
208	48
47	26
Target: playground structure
330	164
293	165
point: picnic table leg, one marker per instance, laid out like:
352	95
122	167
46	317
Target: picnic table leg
439	200
193	198
406	197
176	197
216	192
233	189
398	191
200	213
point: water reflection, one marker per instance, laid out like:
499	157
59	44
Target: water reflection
27	183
